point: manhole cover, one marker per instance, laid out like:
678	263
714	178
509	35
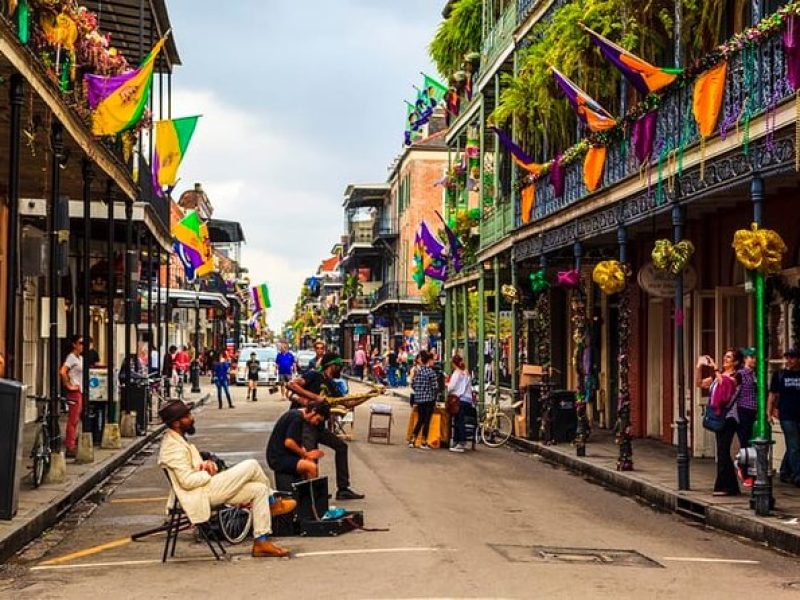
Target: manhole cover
574	556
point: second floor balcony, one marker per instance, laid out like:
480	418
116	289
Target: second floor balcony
497	221
500	35
400	292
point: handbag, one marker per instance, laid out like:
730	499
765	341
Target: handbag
712	421
452	405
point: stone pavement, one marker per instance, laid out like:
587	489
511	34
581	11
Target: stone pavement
39	508
654	480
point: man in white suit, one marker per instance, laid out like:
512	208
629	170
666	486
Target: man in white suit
200	487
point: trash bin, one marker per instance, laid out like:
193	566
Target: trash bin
11	468
565	419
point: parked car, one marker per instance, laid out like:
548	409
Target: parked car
268	369
303	358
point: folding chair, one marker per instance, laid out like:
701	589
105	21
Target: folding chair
177	521
382	431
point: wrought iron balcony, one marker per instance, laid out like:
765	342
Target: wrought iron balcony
397	291
497	221
500	36
675	113
361	232
385	229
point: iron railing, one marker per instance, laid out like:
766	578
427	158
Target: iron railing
763	66
397	291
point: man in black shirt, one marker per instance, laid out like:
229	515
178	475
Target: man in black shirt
316	386
784	403
286	452
252	367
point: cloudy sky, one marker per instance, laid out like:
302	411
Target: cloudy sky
299	99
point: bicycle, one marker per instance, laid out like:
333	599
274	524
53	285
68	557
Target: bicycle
43	441
495	426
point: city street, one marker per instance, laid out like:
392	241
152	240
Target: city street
460	526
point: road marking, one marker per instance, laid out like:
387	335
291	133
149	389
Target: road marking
56	564
88	551
700	559
137	500
364	551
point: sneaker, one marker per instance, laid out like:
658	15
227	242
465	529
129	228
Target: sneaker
424	447
462	445
348	494
411	444
456	449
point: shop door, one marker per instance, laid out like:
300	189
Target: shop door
655	367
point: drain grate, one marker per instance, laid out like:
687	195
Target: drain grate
574	556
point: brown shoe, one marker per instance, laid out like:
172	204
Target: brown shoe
282	506
268	549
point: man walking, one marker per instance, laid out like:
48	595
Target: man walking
286	366
252	368
784	404
200	487
221	374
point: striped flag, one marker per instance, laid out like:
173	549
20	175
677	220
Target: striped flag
261	297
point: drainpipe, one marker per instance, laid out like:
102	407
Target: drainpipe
16	94
88	177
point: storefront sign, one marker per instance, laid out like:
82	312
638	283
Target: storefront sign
662	285
98	385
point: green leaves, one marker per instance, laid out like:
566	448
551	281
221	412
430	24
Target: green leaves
457	35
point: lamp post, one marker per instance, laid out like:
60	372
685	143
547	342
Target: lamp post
196	360
762	501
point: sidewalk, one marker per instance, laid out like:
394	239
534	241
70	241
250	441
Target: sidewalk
654	480
40	508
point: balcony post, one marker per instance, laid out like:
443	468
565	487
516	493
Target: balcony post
681	423
762	501
465	306
86	454
111	414
624	437
757	11
57	144
513	355
578	316
130	261
16	95
496	361
481	334
150	344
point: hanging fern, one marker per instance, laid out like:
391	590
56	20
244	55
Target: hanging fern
458	34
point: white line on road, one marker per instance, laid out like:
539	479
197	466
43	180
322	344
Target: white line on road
128	563
700	559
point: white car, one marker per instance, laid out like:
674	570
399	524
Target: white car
268	370
303	358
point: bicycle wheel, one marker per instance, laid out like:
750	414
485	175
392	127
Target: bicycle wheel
234	523
496	433
40	454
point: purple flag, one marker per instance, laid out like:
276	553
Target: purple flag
643	136
100	87
557	176
433	247
594	116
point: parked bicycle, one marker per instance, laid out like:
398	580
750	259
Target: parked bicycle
495	425
43	440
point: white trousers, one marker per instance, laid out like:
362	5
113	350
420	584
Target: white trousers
244	483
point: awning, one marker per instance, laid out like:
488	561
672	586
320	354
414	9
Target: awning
225	232
188	298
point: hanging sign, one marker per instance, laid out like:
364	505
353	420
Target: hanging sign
661	284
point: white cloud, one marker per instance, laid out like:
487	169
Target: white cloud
262	178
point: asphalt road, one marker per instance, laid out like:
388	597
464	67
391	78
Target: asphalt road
488	524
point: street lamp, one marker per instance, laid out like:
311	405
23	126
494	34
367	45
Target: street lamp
196	360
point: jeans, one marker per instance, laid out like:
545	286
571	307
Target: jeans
747	418
424	414
790	465
359	371
220	387
74	417
314	436
726	473
391	375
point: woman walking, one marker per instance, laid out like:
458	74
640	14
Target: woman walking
723	387
221	370
424	386
460	385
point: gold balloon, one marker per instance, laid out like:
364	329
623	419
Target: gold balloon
609	276
759	249
672	257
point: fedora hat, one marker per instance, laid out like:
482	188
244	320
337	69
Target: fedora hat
174	410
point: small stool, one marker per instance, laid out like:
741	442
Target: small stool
377	429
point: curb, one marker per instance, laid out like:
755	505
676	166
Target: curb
724	519
49	514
